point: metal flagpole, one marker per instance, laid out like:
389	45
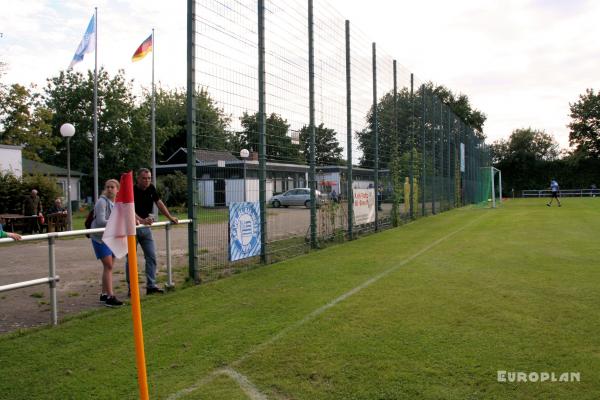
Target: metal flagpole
95	111
153	116
153	123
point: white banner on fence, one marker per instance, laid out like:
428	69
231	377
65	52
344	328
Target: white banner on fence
364	206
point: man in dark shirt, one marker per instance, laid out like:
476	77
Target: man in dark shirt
144	198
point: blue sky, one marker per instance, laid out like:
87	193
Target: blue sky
520	61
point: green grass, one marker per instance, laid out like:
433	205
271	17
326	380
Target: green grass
514	289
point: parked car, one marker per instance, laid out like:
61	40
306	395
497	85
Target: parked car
296	197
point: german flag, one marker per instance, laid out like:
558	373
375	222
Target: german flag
143	50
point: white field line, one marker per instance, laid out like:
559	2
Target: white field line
207	379
251	391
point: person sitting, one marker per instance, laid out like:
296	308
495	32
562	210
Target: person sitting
57	207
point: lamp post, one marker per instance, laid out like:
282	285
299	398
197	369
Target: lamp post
68	130
244	153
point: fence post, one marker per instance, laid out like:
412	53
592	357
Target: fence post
311	110
376	131
433	135
450	174
52	283
192	186
423	176
349	135
169	268
412	144
394	161
262	142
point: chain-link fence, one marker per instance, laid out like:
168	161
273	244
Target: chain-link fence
318	134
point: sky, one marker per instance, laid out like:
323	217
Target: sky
521	62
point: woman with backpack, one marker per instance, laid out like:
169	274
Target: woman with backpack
102	211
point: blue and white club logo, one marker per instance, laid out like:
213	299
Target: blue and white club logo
244	230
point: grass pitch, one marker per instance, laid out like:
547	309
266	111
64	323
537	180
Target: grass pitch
431	310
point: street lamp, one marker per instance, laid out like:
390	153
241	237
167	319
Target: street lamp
67	130
244	153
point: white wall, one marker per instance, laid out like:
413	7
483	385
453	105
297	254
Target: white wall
75	185
206	193
11	160
234	190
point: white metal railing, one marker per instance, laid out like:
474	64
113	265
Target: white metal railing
53	278
562	193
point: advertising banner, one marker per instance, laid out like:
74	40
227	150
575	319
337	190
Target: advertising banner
364	206
244	230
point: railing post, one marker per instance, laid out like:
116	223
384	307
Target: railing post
169	270
52	283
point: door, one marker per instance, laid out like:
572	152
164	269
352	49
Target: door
219	192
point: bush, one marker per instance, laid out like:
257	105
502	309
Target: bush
13	191
173	189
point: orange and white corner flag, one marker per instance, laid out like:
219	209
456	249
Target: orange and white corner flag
122	218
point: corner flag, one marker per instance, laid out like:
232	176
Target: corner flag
119	236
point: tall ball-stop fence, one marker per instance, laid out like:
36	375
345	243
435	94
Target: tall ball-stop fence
298	117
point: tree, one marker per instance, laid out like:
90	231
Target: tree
171	120
524	144
26	122
524	158
327	147
585	124
120	148
395	120
460	106
279	144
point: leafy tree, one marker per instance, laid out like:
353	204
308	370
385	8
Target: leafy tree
525	158
327	147
395	120
13	191
585	124
171	112
173	189
170	119
70	96
526	144
279	144
26	122
460	106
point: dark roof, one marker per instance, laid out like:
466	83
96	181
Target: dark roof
36	167
202	156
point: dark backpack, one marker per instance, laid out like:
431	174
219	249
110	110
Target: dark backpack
88	221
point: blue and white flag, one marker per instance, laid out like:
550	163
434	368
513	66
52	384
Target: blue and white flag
244	230
87	44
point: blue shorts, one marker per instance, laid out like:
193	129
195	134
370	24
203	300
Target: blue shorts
101	250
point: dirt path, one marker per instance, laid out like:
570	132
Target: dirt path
80	272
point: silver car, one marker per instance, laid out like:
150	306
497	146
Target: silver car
295	197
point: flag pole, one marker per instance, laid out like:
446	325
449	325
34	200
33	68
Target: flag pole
136	314
153	116
95	109
155	208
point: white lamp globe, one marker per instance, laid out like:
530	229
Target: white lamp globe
67	130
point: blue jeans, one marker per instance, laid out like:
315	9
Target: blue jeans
144	238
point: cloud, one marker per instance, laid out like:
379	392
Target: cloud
519	61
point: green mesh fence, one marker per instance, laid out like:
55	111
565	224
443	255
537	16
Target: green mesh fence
301	113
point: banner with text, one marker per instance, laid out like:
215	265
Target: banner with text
364	206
